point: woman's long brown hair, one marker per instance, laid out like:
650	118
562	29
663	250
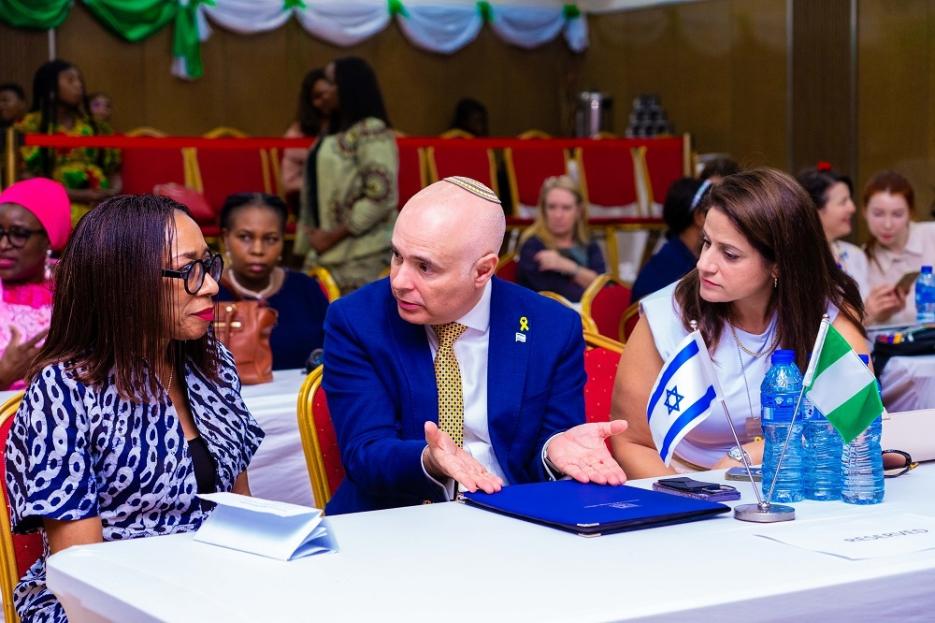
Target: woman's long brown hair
111	312
778	219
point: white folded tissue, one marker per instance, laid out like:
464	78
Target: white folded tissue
265	527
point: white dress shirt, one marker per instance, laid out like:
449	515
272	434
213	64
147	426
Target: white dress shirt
471	351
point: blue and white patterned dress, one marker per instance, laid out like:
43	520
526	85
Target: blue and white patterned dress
77	451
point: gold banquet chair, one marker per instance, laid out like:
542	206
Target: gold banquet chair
19	552
326	282
319	441
586	322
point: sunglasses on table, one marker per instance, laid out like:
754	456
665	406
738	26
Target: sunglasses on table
902	463
193	273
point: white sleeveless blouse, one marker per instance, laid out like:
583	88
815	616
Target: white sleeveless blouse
708	442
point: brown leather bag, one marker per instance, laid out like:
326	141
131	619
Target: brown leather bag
244	327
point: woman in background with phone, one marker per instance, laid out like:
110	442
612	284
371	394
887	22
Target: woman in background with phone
897	246
831	192
764	279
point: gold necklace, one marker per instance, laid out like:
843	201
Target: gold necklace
755	354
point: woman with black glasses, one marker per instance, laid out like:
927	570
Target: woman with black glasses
134	408
35	220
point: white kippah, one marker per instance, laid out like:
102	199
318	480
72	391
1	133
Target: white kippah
474	187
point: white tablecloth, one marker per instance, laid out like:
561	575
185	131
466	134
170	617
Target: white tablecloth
278	470
909	383
456	563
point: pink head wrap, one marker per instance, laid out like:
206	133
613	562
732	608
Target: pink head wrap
49	203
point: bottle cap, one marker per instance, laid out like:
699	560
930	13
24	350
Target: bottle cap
926	269
781	355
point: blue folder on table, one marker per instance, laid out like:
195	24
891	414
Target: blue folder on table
591	509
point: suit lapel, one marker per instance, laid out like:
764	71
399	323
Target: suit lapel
507	358
416	367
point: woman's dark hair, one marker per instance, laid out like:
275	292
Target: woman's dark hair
111	311
358	94
235	202
45	101
678	211
778	219
886	182
15	88
464	110
817	180
309	117
722	167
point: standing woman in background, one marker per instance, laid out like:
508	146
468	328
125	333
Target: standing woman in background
316	103
897	245
348	204
831	193
60	106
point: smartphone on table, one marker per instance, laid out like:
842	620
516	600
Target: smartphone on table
689	487
740	473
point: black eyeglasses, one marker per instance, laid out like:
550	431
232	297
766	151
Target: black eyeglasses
902	464
18	236
194	272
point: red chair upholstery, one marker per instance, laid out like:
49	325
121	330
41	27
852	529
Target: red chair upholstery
600	364
460	157
18	552
665	161
145	168
411	176
319	441
628	321
225	172
527	166
605	301
508	268
608	179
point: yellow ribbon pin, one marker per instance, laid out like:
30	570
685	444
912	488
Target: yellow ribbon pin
523	323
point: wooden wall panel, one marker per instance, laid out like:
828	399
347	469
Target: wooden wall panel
719	67
896	77
822	112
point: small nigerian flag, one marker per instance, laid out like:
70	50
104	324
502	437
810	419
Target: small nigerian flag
841	385
683	395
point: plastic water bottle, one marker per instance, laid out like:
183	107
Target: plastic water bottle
823	446
925	295
778	395
862	465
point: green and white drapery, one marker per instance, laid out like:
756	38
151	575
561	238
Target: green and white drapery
433	25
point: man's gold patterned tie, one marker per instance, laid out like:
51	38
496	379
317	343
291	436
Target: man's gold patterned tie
448	381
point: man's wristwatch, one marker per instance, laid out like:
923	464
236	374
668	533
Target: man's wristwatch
737	453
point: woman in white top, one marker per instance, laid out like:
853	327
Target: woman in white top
897	245
763	280
831	193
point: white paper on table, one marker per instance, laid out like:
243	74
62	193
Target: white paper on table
265	527
873	536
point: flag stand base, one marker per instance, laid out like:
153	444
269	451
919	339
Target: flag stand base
764	513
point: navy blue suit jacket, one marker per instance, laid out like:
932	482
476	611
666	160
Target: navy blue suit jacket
380	384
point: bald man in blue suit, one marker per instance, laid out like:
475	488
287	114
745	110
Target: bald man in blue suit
519	358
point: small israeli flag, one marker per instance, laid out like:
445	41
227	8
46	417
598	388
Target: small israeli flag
683	396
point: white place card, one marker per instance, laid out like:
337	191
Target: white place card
873	536
265	527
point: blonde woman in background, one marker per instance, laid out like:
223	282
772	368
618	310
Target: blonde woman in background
557	252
